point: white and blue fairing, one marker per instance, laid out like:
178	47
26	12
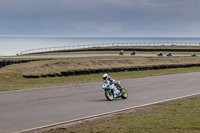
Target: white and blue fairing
111	87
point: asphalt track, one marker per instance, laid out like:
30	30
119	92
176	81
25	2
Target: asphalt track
26	109
84	55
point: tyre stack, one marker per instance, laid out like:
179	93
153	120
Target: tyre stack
4	63
117	69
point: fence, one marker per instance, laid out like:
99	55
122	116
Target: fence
48	49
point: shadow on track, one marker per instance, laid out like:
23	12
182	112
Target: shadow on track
105	100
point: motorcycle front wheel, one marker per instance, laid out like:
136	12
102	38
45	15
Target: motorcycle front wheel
124	93
109	95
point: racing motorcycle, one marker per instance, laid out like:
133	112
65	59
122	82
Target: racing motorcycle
114	91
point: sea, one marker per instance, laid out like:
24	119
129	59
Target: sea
12	45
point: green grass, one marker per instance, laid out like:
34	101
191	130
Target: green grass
15	81
11	76
181	116
64	64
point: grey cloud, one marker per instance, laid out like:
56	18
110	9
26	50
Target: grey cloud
100	16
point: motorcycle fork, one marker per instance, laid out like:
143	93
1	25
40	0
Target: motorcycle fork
119	88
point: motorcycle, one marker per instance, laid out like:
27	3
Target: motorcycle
169	54
133	53
160	54
121	53
194	55
114	91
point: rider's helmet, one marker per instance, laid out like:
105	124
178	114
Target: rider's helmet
105	76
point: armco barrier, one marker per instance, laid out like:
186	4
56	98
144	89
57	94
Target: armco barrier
129	49
114	46
107	70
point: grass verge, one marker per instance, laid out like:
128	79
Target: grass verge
65	64
14	81
181	116
11	76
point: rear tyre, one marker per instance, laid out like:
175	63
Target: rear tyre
109	95
124	93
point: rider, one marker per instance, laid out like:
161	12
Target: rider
106	78
133	53
122	52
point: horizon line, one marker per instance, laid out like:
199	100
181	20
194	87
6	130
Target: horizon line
99	36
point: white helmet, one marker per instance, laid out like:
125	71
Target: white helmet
105	76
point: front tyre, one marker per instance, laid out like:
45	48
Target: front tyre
124	93
109	95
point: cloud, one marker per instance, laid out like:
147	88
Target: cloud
98	16
109	27
101	27
194	27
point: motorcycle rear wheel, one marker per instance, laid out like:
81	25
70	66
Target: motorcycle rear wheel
109	95
124	93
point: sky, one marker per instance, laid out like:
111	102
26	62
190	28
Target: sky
124	18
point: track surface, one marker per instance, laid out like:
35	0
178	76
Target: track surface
25	109
83	55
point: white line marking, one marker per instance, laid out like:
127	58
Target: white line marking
93	116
